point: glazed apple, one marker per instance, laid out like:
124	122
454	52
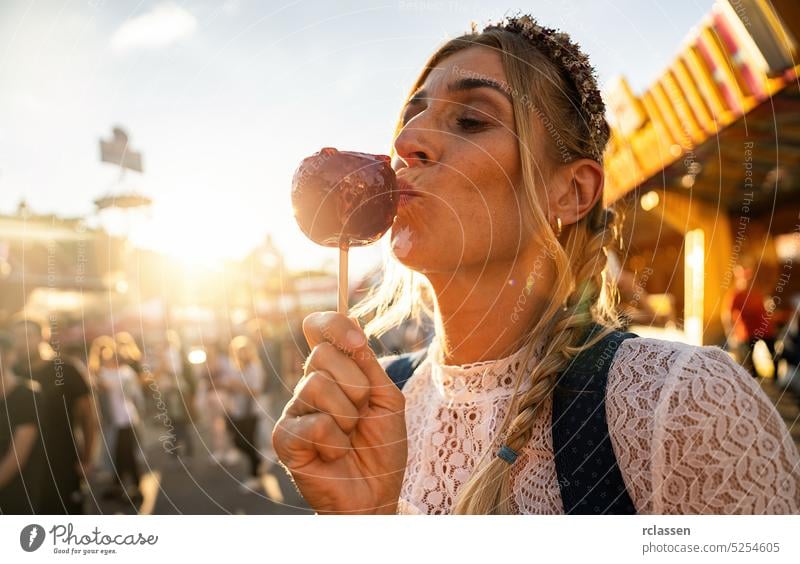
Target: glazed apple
343	198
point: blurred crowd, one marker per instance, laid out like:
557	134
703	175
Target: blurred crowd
89	412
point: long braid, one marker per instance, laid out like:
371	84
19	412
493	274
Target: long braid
589	237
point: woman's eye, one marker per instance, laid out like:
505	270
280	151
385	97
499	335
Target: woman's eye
471	124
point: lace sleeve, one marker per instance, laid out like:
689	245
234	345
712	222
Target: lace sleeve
695	434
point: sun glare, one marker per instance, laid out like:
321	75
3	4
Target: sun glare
198	234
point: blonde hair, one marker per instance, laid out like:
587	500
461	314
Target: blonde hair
102	348
127	348
582	295
239	343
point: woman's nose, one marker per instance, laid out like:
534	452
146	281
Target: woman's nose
415	145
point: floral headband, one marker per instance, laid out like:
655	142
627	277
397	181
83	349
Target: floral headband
567	55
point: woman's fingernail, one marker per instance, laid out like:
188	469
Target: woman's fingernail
355	338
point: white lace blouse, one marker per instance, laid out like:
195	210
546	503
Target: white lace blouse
692	431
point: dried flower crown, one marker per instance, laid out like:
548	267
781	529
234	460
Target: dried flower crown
559	48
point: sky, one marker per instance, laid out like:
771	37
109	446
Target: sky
225	97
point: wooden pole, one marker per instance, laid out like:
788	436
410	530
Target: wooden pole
343	280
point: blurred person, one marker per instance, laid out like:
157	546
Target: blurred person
216	373
76	353
120	386
21	456
177	387
128	352
274	394
745	317
103	465
268	344
67	422
104	462
245	388
791	337
788	374
292	363
152	355
174	347
296	350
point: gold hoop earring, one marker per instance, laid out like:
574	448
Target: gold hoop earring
558	226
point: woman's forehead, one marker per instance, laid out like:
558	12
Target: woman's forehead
473	62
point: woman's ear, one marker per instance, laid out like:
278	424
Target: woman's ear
574	190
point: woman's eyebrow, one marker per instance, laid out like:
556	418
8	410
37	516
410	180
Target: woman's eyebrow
473	83
464	84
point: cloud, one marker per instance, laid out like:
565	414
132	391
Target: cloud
162	26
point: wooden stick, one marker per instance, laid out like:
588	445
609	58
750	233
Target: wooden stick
343	280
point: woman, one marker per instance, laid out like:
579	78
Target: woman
503	240
119	385
214	380
21	461
177	386
245	387
128	353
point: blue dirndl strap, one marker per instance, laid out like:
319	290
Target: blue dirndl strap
401	368
588	474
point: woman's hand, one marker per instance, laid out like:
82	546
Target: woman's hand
343	434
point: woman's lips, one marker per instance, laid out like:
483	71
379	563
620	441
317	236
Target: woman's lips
406	192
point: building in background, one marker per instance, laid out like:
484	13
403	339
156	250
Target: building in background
705	165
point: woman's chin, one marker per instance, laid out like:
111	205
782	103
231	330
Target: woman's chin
409	247
406	247
402	241
418	260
